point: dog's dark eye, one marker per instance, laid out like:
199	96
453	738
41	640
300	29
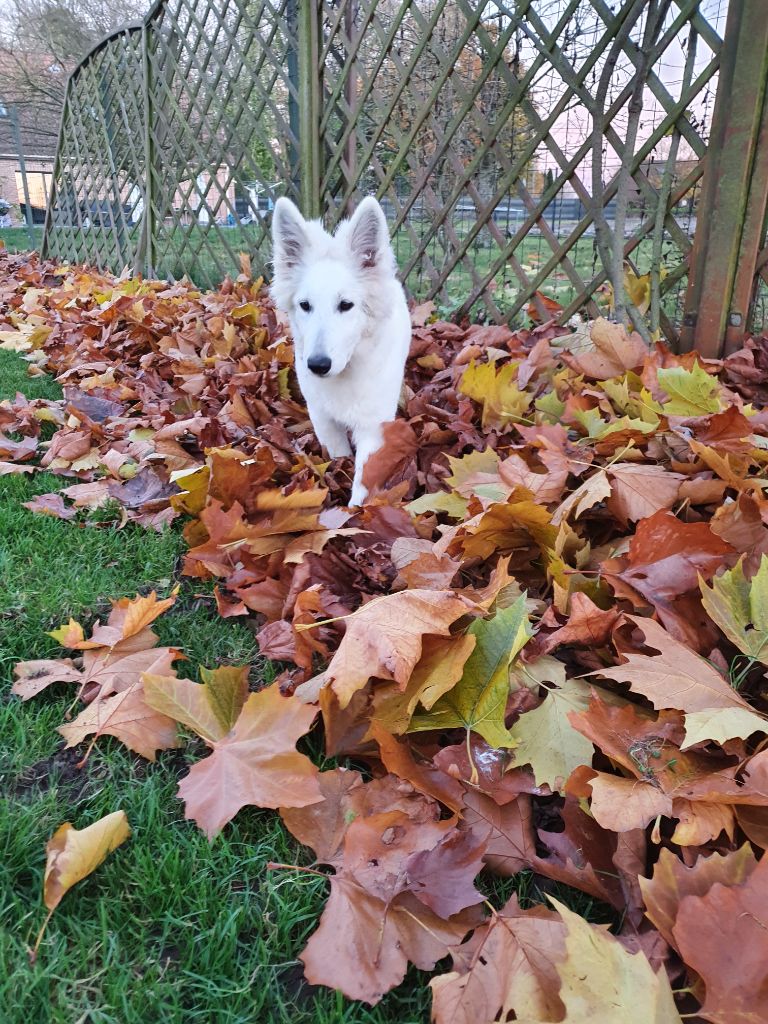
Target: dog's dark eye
345	306
305	306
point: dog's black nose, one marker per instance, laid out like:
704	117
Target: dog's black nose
319	365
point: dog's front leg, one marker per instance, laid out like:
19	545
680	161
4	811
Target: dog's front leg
331	435
367	441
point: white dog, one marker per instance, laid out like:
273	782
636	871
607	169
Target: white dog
350	322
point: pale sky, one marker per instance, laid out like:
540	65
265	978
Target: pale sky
573	127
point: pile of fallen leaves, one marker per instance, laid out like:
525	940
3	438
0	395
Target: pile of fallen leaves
541	645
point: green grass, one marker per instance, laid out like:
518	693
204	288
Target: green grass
202	253
532	253
169	929
17	239
207	253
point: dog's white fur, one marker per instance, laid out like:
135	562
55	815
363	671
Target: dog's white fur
316	278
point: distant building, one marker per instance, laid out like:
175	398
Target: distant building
654	170
38	121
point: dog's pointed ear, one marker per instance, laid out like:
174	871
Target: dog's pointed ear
369	235
289	236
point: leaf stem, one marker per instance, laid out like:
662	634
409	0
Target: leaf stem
36	947
474	777
273	865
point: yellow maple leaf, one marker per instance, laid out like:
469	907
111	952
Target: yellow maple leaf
68	635
468	465
601	981
73	854
503	402
194	485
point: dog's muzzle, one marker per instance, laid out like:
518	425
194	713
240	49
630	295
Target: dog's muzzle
319	365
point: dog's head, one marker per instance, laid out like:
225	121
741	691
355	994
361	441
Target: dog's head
331	286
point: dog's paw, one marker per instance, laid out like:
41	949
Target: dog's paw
358	496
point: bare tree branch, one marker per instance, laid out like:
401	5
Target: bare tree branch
41	41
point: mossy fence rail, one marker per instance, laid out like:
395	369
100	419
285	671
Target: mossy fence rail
524	151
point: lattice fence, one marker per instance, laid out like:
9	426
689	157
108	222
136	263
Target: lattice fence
97	203
223	108
522	151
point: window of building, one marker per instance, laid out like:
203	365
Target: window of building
39	185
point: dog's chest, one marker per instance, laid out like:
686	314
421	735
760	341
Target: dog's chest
365	392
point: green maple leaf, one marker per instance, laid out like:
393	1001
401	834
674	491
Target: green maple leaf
546	740
478	701
210	708
691	392
440	501
740	608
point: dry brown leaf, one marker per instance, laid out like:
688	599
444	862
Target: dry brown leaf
722	934
506	967
613	352
363	945
72	854
672	882
638	491
127	717
255	763
384	638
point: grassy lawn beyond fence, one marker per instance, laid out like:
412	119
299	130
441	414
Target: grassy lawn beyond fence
17	239
201	253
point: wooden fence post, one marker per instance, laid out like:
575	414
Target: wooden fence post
13	116
53	195
144	254
732	207
309	105
292	58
